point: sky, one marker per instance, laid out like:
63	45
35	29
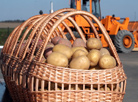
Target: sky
24	9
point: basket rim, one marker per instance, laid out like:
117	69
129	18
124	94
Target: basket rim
53	66
67	68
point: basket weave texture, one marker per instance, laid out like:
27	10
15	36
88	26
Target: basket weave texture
30	80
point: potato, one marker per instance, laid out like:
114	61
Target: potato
104	51
55	39
79	42
53	86
94	56
63	49
110	86
103	89
49	49
95	68
49	44
81	62
78	53
57	59
89	88
107	62
95	86
79	87
93	43
77	48
65	85
64	42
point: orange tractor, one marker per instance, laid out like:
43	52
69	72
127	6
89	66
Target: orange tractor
123	34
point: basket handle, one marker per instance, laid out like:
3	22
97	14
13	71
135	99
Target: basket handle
113	49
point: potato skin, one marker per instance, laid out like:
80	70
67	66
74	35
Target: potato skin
55	39
64	42
103	89
79	42
49	44
81	62
95	68
93	43
77	48
57	59
104	51
94	56
63	49
107	62
48	49
78	53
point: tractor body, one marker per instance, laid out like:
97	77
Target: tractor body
124	39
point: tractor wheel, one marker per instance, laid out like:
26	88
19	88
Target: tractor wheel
76	34
124	41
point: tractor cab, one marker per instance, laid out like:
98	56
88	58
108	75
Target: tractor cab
92	6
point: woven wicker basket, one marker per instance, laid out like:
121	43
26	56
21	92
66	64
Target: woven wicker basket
29	80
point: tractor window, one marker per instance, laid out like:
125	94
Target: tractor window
96	8
85	5
73	4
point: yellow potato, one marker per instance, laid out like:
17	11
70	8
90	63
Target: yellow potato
78	53
57	59
104	51
95	68
73	87
94	56
95	86
63	49
93	43
77	48
81	62
103	89
107	62
65	85
110	86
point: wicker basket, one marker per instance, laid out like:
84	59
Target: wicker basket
29	80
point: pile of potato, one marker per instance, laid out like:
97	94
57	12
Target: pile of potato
79	55
59	86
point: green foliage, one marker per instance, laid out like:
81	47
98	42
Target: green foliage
4	33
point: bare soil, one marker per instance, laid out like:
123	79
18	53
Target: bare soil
9	24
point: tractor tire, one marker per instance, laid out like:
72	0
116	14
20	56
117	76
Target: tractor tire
124	41
76	34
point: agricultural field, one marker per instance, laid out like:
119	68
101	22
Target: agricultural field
5	29
4	33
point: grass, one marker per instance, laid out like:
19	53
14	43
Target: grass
4	33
